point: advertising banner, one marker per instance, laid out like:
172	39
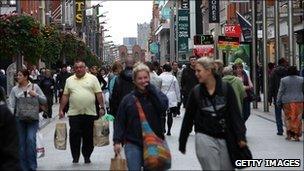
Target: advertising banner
183	30
204	50
246	27
228	43
214	11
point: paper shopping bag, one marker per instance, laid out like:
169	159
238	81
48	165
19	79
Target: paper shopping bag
118	163
60	136
101	133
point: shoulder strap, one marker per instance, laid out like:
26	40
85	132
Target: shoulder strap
141	112
170	86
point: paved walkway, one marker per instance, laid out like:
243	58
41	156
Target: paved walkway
261	135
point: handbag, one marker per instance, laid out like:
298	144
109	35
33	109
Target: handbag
156	153
27	108
118	163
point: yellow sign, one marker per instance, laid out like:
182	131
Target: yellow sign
80	4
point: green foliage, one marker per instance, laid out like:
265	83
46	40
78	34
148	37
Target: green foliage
20	35
52	45
23	35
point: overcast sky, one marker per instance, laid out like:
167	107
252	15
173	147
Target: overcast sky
123	17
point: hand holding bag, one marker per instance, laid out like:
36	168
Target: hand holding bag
118	163
60	136
156	152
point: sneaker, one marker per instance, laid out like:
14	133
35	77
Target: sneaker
280	133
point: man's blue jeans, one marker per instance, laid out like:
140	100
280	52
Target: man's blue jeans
134	156
27	144
278	116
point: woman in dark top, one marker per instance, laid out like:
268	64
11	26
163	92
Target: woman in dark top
127	126
9	140
212	105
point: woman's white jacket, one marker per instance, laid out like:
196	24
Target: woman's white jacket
170	88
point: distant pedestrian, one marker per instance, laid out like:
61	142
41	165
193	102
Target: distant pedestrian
212	108
61	80
47	85
245	78
188	80
122	86
236	84
26	129
290	96
154	78
80	90
178	75
278	73
219	66
171	89
127	128
116	69
3	80
9	140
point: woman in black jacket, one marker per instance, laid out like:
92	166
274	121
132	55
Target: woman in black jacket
127	126
212	107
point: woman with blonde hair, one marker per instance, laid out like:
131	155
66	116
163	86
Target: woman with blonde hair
213	110
127	127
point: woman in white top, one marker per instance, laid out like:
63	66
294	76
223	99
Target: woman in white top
171	89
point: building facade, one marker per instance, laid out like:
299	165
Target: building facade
143	31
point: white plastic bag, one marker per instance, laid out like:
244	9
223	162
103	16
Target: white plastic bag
40	145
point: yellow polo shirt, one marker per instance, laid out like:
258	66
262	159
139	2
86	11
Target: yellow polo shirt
82	94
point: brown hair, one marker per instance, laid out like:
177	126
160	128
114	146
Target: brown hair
25	73
117	66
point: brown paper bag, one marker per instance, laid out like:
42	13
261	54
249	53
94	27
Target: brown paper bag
101	133
60	136
118	163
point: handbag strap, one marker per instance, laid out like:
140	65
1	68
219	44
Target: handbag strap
141	112
170	85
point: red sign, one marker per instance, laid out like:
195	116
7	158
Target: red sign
233	30
203	50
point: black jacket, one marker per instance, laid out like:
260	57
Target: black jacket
127	126
61	79
188	80
201	114
9	140
46	85
122	86
275	79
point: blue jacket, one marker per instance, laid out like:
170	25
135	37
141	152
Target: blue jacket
127	126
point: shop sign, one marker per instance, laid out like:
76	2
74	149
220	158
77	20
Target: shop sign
233	30
183	30
203	39
79	5
204	50
228	43
214	11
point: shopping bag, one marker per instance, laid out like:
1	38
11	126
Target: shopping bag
101	133
60	136
118	163
40	145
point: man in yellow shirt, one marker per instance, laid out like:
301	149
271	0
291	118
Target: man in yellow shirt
81	91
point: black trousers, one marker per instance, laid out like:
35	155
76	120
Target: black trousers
81	130
50	104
